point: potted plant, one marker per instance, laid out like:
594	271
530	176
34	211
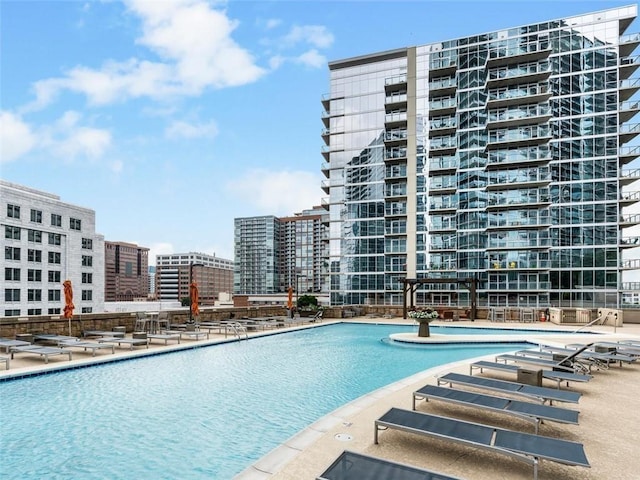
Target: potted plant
424	318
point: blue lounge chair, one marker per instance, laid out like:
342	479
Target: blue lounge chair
356	466
525	447
531	412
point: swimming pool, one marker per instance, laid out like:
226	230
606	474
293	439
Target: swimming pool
202	413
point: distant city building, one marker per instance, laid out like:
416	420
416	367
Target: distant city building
126	272
213	275
274	253
502	157
152	281
45	242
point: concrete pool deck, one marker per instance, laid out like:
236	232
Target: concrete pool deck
609	423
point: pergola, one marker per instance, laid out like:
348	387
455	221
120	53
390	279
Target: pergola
410	286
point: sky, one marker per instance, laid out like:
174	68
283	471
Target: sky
172	118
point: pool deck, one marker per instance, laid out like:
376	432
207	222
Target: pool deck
609	422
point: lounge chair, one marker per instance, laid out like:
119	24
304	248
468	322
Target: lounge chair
8	343
45	352
356	466
556	376
531	412
542	394
93	346
102	333
132	342
569	363
7	362
164	336
525	447
51	338
601	359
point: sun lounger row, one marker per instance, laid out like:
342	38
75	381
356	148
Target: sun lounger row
553	375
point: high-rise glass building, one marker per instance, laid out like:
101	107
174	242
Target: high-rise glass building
503	157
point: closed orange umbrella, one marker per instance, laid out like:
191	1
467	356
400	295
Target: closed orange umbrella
68	302
193	293
290	298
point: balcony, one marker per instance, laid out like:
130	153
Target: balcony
395	190
395	210
442	106
525	178
510	202
523	73
523	94
326	100
395	137
442	67
518	54
628	154
506	138
395	153
628	65
445	226
627	110
443	163
629	198
627	88
395	119
325	167
628	176
396	82
628	43
441	87
440	247
443	145
325	186
442	205
629	242
396	100
516	116
628	132
440	185
442	126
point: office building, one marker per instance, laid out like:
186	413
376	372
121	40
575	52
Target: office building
126	272
502	157
274	253
175	272
45	242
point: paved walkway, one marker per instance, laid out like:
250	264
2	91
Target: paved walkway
609	422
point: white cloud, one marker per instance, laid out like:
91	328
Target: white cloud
278	193
273	23
179	129
312	58
195	48
276	62
16	137
316	35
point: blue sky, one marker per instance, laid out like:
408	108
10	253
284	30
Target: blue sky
172	118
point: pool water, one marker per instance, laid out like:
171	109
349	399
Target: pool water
201	413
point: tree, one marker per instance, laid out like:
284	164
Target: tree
185	302
308	301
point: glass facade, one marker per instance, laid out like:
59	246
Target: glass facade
503	157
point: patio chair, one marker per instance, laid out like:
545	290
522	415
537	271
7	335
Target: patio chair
568	363
44	352
526	447
530	412
356	466
7	343
141	322
7	362
542	394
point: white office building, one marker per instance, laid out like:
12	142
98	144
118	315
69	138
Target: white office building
45	242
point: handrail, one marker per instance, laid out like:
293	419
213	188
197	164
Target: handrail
593	322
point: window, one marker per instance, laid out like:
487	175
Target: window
34	295
34	256
56	220
13	211
87	309
54	295
36	216
53	311
34	311
34	236
55	239
54	276
87	261
54	257
87	244
11	294
34	275
12	233
75	224
12	313
87	277
12	274
87	294
11	253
